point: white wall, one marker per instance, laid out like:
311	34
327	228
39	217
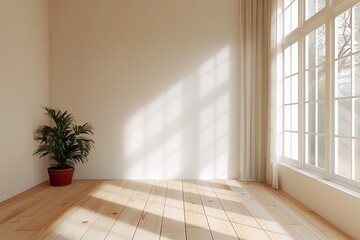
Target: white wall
156	79
24	88
338	207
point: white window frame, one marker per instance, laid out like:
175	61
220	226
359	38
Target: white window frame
325	16
338	8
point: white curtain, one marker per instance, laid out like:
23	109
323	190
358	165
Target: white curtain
257	158
275	97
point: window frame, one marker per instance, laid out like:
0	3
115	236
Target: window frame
326	16
338	8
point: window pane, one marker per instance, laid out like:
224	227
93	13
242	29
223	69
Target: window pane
287	21
294	15
321	117
310	149
357	160
294	117
310	83
356	79
310	8
343	78
287	61
286	3
315	47
291	145
343	33
343	156
343	117
294	146
357	117
321	83
321	4
294	89
287	90
287	118
321	151
313	6
321	45
311	117
310	50
287	144
294	58
356	27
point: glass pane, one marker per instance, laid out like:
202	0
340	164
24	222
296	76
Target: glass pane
321	83
343	117
287	21
310	149
311	117
310	8
310	85
321	151
356	27
294	58
287	118
287	144
356	79
291	145
321	4
286	3
343	156
294	15
343	78
313	6
294	117
294	146
294	89
321	46
357	160
357	117
321	117
287	90
343	32
287	61
310	60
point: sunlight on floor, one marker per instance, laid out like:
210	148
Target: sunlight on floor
170	209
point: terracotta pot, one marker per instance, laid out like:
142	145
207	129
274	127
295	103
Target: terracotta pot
60	177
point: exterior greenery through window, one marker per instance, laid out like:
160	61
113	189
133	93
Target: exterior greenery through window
321	87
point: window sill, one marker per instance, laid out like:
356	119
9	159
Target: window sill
328	183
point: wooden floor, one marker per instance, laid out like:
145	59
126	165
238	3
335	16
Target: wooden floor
160	209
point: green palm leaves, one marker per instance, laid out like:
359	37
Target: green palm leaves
66	142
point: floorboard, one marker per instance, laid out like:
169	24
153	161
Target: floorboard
160	209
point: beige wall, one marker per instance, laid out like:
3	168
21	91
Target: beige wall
24	76
335	205
156	79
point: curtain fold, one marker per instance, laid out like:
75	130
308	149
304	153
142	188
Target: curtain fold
256	89
275	98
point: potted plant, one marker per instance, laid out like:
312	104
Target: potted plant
65	142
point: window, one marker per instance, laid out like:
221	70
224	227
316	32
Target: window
291	105
290	16
321	88
313	6
315	97
347	94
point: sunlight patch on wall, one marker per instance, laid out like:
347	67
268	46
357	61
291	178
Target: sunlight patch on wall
185	130
214	117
